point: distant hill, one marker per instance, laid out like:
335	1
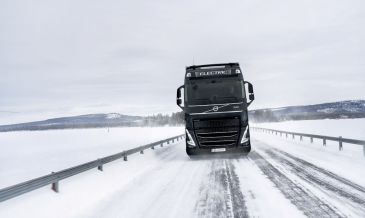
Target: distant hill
333	110
83	121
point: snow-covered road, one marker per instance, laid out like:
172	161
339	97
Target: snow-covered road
279	178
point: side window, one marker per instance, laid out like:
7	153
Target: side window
187	87
242	88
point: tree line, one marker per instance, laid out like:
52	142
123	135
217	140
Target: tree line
176	119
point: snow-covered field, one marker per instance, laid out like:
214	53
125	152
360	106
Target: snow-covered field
28	155
281	177
347	128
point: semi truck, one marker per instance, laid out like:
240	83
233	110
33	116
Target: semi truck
215	105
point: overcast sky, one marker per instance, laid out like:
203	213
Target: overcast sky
66	58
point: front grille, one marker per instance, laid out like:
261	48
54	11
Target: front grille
217	132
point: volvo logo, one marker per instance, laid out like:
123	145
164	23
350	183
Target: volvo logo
215	108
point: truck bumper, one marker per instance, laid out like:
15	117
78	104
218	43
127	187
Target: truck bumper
240	150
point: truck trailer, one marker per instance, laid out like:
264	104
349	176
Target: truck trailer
215	108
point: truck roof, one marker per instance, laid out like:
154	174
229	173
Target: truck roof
226	65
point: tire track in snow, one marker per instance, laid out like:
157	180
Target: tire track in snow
327	173
303	199
221	195
322	178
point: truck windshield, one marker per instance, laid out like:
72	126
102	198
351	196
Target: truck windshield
214	92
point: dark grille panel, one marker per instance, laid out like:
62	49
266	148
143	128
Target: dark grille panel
214	133
216	123
216	130
218	143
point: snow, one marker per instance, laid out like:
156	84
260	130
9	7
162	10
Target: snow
347	128
261	195
328	157
352	156
28	155
113	116
165	182
278	109
327	110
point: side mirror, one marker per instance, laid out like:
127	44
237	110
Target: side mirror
178	97
178	93
250	89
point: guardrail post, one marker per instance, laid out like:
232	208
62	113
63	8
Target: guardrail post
168	142
340	144
141	152
287	135
311	139
162	144
301	138
324	142
55	186
276	132
172	141
293	136
153	147
363	148
125	158
100	167
177	139
281	134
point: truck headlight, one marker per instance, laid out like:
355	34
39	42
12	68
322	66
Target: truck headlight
244	137
190	140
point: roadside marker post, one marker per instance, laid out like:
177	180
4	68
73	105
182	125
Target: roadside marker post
340	144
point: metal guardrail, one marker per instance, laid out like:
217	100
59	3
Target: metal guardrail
340	140
54	178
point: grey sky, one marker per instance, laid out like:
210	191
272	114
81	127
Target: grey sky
65	58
